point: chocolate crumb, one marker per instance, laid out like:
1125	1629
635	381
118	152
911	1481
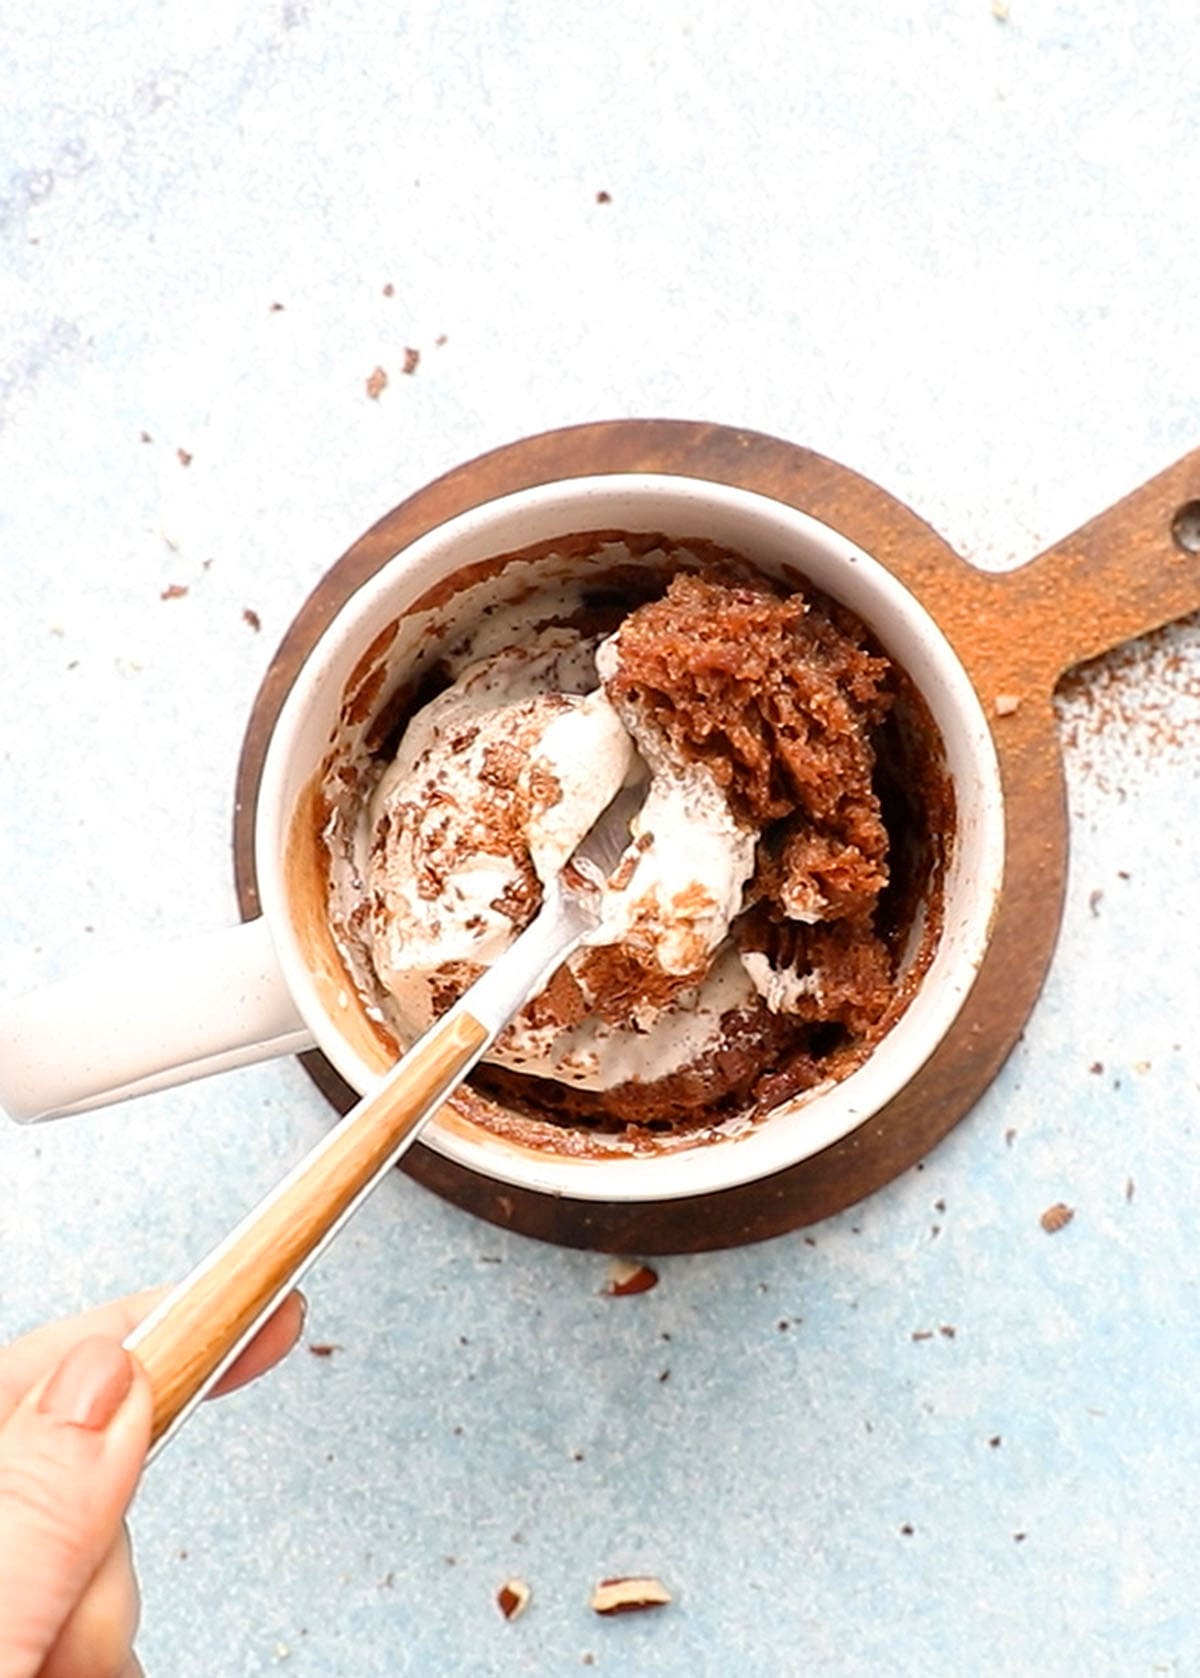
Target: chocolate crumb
183	457
1128	1190
412	359
173	591
603	197
324	1348
939	1205
376	384
922	1334
1123	874
664	1375
1096	1068
146	437
947	1331
440	340
1019	1537
906	1531
995	1441
1056	1217
250	616
389	290
276	309
1006	704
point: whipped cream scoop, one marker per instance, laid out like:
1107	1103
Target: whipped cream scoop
493	785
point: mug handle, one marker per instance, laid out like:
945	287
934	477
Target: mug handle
146	1021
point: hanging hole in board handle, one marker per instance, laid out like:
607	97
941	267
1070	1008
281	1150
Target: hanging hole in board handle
1185	527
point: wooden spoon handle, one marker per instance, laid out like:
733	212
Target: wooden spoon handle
198	1330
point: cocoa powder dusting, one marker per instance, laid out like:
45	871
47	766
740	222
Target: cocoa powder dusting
1143	698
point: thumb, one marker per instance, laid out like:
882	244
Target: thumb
70	1456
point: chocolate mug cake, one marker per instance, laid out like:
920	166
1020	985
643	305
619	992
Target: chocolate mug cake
780	896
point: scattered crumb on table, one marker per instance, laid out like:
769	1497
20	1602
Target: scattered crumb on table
1056	1217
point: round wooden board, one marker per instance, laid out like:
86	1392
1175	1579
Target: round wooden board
1121	575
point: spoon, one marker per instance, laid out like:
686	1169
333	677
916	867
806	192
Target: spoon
191	1338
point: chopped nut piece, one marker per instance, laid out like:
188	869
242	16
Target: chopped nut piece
512	1599
376	383
1056	1217
626	1276
1005	704
625	1596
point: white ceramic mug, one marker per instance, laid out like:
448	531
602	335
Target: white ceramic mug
258	989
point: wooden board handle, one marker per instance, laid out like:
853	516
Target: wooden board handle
1126	572
186	1343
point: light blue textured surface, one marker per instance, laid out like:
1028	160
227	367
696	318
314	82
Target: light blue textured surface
958	253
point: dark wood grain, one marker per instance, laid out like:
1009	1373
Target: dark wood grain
1121	575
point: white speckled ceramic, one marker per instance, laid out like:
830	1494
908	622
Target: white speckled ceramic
250	992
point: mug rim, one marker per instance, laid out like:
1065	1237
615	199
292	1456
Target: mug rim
822	1116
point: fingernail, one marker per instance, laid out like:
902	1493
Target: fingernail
302	1301
89	1386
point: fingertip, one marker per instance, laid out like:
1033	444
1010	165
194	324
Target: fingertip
274	1340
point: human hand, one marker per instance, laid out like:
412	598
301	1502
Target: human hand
75	1411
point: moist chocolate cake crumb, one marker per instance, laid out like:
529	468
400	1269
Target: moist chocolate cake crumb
780	698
